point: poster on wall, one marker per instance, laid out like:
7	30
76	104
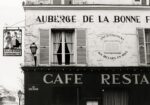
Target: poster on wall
12	42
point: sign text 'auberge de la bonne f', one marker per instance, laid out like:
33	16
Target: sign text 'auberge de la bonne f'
104	79
92	19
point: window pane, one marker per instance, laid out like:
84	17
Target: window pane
56	1
115	98
147	35
69	59
57	59
68	36
57	37
68	1
57	48
62	39
148	59
148	48
69	48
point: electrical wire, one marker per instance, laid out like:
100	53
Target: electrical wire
17	23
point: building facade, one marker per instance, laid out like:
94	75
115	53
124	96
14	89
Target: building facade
88	52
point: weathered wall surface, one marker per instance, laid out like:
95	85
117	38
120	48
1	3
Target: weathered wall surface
110	42
124	2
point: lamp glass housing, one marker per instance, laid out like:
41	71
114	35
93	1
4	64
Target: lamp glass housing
33	48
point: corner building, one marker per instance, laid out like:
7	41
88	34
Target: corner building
89	52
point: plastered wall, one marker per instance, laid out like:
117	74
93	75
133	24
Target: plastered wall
123	2
110	42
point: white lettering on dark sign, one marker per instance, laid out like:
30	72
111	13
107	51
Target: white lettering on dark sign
63	79
105	79
126	79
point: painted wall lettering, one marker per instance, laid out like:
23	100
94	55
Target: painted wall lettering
57	18
127	19
92	18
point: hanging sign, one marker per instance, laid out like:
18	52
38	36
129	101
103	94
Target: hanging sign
12	42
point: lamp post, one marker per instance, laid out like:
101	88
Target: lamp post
33	48
19	95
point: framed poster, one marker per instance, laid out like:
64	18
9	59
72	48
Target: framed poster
12	42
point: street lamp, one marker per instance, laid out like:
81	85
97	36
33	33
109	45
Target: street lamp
19	95
33	48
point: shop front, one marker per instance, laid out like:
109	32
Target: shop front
87	85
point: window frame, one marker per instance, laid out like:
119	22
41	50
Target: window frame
145	44
62	2
74	47
145	49
139	2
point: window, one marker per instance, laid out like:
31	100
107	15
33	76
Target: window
43	1
147	44
63	2
115	98
137	0
144	2
63	50
144	45
141	2
62	47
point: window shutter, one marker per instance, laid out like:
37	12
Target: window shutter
57	2
81	46
44	46
141	46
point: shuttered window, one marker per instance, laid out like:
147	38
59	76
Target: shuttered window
67	2
57	1
63	46
63	50
81	46
44	46
144	45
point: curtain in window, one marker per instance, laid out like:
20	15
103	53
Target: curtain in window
68	47
68	38
115	98
57	47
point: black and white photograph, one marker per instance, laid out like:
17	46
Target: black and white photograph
12	41
75	52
